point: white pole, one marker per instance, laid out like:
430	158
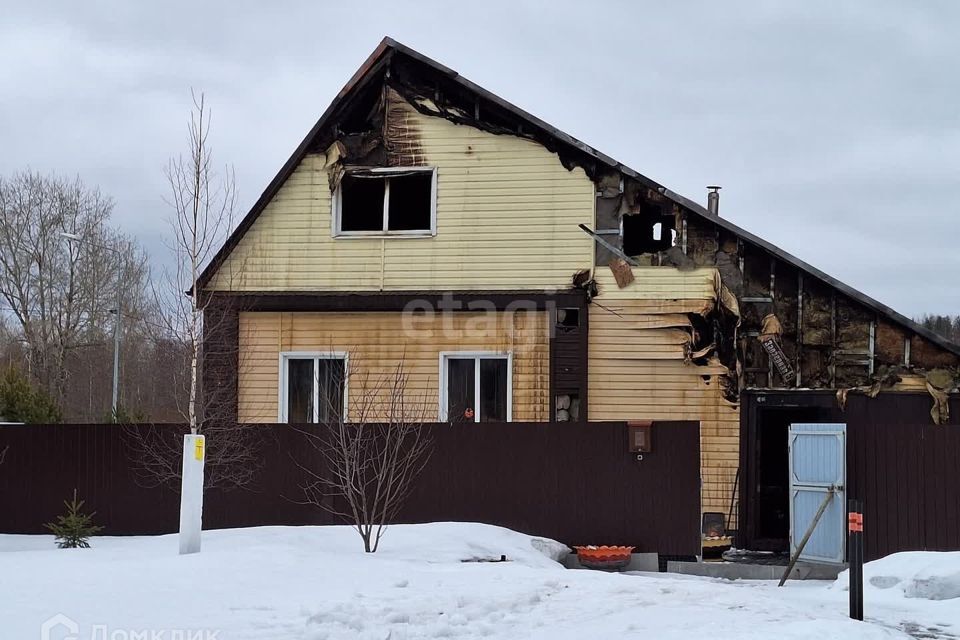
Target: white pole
191	493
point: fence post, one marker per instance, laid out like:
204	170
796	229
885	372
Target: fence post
855	557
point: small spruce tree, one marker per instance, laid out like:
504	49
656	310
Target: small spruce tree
21	402
73	529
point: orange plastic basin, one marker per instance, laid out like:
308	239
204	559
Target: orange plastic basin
603	554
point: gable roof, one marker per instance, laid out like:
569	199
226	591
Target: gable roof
378	60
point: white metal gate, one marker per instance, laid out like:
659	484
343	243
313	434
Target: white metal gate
817	469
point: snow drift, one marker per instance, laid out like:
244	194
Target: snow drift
426	581
930	575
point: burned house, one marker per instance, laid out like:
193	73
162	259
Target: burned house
548	282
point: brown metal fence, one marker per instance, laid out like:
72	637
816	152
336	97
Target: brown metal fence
905	469
907	474
576	483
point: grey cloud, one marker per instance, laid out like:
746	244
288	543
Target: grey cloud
832	126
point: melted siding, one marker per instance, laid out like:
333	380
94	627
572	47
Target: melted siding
662	284
377	342
637	371
507	218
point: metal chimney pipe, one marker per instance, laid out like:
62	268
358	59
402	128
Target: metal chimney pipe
713	199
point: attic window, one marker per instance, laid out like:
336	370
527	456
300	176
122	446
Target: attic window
647	233
386	202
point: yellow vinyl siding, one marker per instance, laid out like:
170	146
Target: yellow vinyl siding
637	367
507	218
377	342
662	284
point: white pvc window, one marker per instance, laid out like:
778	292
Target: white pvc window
313	387
476	387
386	202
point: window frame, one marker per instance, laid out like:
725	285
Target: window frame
284	387
336	218
477	356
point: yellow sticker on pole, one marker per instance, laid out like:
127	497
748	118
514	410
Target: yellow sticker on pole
198	448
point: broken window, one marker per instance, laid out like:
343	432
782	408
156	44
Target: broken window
647	232
477	388
361	203
568	318
386	201
313	388
408	197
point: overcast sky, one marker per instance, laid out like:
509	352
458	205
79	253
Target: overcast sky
834	127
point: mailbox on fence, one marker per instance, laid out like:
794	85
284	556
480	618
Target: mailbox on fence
641	436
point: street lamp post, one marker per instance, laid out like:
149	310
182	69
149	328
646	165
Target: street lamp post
73	237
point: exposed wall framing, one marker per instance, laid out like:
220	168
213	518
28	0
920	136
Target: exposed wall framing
833	340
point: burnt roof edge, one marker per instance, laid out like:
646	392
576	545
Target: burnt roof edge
388	46
379	56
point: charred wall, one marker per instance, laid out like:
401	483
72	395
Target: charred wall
831	340
795	330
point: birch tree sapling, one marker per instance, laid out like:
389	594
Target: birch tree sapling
201	328
203	202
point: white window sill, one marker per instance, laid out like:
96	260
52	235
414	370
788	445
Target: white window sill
379	234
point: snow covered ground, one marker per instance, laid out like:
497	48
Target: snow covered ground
316	583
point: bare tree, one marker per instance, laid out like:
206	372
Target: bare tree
89	363
199	326
370	459
40	276
12	350
61	294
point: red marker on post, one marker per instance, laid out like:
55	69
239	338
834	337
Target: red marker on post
855	557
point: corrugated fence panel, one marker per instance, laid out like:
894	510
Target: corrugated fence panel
942	517
577	483
572	482
45	463
907	473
